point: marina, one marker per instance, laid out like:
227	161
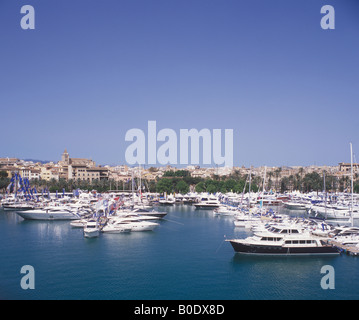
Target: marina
185	256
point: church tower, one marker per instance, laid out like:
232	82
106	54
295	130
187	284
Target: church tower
65	158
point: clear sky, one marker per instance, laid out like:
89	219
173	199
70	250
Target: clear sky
91	70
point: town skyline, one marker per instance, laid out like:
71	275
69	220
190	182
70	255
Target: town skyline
87	169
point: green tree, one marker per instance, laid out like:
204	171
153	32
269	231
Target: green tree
182	187
230	185
211	188
4	180
312	182
164	185
200	187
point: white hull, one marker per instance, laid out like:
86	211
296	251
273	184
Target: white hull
47	215
125	225
78	223
206	205
295	206
116	229
91	233
150	226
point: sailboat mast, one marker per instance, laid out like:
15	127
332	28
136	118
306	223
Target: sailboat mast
352	184
325	195
139	169
133	187
249	196
264	182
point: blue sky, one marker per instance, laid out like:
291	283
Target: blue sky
91	70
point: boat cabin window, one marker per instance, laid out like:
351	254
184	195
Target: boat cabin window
300	242
270	239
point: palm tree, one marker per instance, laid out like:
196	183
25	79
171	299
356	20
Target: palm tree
277	174
301	172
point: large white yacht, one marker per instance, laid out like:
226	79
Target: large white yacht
50	213
283	244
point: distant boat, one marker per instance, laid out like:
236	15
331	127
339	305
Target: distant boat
149	213
80	223
295	205
119	224
169	201
91	230
18	206
208	203
225	211
49	213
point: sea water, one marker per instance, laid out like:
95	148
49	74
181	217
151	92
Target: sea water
185	257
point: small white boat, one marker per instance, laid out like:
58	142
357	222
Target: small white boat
225	211
295	205
119	224
80	223
169	201
149	213
91	230
208	203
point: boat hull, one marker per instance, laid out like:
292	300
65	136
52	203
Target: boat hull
143	227
15	208
43	215
206	206
91	233
116	230
295	206
244	248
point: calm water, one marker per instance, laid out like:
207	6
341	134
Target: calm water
184	258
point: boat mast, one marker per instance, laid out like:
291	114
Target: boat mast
325	195
352	184
264	181
133	192
249	196
139	169
244	190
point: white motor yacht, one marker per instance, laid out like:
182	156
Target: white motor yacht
208	203
149	213
119	224
91	230
49	213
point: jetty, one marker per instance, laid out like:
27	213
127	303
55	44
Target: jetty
349	250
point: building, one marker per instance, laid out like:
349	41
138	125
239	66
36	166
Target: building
9	165
49	172
81	169
346	167
88	173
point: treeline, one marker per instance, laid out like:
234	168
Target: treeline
182	181
315	182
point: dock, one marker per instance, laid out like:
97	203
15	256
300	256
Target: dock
349	250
